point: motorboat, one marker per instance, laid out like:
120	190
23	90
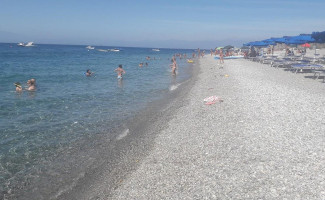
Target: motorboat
90	47
116	50
156	49
30	44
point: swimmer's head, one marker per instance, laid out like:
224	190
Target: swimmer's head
17	84
32	81
88	70
120	66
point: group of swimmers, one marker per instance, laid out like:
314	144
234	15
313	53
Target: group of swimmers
31	85
119	70
141	64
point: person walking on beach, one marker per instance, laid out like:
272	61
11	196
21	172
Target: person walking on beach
221	56
119	71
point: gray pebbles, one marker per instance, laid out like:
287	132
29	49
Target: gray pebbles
265	141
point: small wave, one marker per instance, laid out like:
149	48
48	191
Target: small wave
123	134
70	187
174	87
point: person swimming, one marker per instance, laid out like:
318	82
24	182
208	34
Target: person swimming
18	87
31	85
88	72
119	72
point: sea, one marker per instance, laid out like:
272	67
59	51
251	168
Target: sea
42	130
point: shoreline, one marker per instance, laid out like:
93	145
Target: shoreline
131	147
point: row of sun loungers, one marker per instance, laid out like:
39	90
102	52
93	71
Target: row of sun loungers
295	64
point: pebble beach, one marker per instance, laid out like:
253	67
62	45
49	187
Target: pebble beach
264	141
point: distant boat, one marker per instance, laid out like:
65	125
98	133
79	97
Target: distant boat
30	44
116	50
156	49
90	47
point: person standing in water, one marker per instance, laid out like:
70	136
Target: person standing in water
119	71
174	66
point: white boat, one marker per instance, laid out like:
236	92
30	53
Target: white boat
116	50
156	49
21	44
29	44
90	47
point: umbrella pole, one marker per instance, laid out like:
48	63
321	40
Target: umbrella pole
315	52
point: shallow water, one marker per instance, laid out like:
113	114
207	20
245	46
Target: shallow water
69	107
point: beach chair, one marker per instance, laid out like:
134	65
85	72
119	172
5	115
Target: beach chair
318	73
306	67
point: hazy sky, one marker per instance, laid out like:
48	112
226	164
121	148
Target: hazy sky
157	23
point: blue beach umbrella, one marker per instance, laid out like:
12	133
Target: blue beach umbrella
278	40
260	44
319	36
300	39
269	41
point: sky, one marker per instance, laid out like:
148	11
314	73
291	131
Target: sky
157	23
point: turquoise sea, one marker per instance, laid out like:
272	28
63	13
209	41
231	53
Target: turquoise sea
69	108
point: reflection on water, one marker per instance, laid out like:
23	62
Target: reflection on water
120	83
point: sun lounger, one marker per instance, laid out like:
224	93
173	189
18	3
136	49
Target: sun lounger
301	67
318	73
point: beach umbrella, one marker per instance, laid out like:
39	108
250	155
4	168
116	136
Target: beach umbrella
279	40
228	47
300	39
260	44
306	45
269	41
319	36
219	48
